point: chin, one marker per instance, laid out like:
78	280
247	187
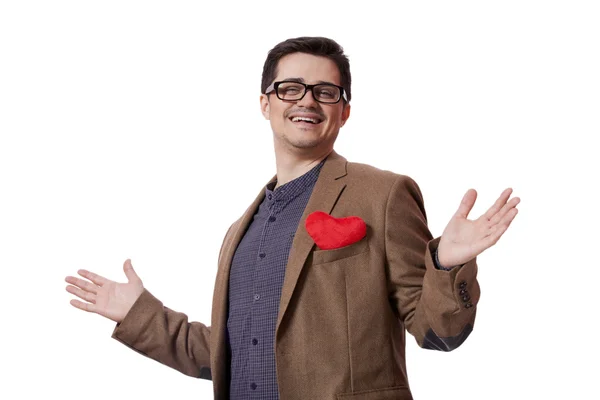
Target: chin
304	140
304	144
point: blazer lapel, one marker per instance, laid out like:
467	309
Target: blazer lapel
326	192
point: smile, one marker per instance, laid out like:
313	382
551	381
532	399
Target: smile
306	118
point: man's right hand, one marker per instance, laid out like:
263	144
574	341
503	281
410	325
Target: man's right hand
105	297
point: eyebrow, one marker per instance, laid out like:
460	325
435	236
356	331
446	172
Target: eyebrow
301	80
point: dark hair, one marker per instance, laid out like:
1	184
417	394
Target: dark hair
317	46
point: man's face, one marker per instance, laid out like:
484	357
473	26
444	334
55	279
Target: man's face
297	135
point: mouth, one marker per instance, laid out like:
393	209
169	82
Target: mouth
306	120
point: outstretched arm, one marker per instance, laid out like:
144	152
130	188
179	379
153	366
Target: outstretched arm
438	306
143	323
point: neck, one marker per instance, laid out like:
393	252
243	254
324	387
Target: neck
292	166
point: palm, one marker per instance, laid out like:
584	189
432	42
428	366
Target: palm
114	299
105	297
464	239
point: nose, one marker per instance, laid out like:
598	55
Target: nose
307	100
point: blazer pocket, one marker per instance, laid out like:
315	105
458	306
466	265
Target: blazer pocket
392	393
326	256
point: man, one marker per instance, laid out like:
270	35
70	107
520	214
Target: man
320	277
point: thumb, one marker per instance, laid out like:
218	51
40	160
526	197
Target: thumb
466	205
129	272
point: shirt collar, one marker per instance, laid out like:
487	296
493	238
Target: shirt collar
293	188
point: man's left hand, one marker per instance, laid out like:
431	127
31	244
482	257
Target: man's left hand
464	239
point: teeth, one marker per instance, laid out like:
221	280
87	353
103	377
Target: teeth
312	120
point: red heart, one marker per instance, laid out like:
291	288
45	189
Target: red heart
331	233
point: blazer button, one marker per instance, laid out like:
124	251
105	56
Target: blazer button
468	305
462	292
466	297
462	285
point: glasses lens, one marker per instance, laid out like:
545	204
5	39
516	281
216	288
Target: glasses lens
290	90
327	93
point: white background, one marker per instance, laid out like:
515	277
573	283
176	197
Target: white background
132	129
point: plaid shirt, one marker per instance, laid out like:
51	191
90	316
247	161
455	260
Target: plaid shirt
255	284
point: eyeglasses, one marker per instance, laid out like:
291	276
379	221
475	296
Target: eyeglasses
326	93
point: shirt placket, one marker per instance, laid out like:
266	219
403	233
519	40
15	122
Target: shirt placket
258	345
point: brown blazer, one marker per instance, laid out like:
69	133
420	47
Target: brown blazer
343	313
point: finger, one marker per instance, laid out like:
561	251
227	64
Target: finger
97	279
85	285
499	216
498	204
83	306
498	230
466	205
129	271
509	217
82	294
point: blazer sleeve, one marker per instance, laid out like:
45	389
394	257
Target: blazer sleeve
166	336
437	307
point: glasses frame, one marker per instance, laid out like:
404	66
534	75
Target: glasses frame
273	88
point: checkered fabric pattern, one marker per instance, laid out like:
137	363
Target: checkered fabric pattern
255	283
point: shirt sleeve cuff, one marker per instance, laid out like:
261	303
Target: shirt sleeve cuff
436	262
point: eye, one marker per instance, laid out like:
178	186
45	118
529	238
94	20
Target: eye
290	90
327	92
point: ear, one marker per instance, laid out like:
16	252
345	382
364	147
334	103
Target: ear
345	113
265	107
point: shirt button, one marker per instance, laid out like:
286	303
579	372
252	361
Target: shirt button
256	297
262	255
272	219
253	386
255	341
269	197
